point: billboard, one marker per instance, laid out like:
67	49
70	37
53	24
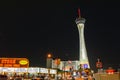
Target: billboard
14	62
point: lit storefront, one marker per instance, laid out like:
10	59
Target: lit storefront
11	66
20	67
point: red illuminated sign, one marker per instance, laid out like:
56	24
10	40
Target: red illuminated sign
99	64
14	62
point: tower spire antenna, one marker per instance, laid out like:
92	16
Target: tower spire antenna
79	16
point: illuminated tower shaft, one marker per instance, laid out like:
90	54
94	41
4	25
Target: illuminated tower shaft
83	58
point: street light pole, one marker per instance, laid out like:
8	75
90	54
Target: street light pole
49	61
64	68
57	71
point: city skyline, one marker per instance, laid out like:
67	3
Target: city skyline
35	29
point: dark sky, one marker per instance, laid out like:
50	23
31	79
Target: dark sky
32	29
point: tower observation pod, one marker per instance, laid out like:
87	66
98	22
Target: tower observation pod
83	58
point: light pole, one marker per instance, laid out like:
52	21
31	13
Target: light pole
49	60
64	68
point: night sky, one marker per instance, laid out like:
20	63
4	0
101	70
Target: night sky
32	29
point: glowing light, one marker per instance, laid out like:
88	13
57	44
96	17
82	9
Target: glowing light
49	56
23	62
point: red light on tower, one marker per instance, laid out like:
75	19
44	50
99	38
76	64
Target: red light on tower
79	13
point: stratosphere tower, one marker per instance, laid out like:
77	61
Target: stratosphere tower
83	58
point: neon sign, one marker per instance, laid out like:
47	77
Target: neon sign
14	62
23	62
